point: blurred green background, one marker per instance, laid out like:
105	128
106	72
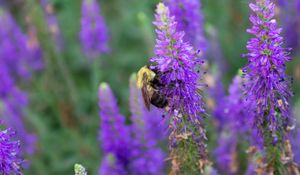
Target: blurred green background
64	112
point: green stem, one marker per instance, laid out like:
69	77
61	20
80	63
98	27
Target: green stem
273	151
96	75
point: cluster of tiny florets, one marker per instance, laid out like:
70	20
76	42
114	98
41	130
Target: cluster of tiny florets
267	86
10	162
189	19
177	63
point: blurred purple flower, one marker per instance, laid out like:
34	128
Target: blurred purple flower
110	166
52	24
177	63
128	149
190	20
250	169
237	112
215	51
12	51
290	16
114	134
15	65
10	162
93	34
13	101
217	93
235	107
147	159
226	153
35	53
230	114
147	133
236	129
151	122
294	137
267	86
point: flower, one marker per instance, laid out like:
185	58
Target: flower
226	153
10	162
53	24
190	20
114	134
266	84
79	170
109	165
217	94
12	41
177	67
295	139
128	149
290	13
146	132
235	106
35	52
177	63
234	126
93	34
150	122
15	65
12	113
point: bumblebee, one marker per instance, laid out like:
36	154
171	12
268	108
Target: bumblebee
149	83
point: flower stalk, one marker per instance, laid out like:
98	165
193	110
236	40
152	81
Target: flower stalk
177	64
267	87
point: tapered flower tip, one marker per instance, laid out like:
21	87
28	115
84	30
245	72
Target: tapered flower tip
2	13
89	1
103	86
262	5
133	80
132	77
162	12
161	8
79	169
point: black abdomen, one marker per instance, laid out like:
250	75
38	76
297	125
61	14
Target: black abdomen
159	100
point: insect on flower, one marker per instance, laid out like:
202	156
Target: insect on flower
149	83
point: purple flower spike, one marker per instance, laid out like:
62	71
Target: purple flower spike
128	149
190	20
16	63
152	121
267	86
226	154
114	135
10	162
235	107
93	34
290	16
35	52
237	112
12	50
12	102
177	63
146	132
53	24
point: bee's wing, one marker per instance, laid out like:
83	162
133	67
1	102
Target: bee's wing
146	97
145	92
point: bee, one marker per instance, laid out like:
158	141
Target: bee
149	83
